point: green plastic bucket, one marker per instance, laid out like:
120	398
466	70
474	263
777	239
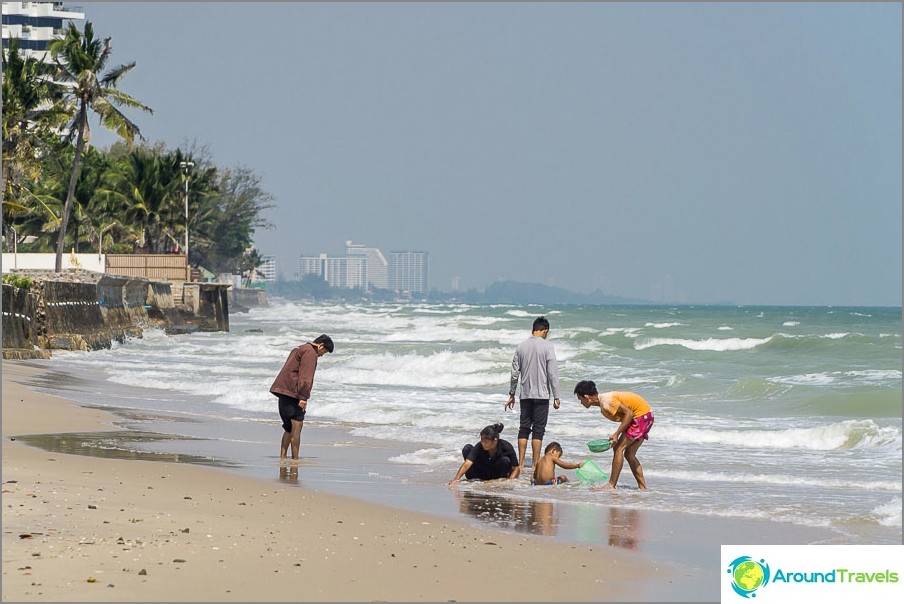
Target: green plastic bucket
590	473
600	445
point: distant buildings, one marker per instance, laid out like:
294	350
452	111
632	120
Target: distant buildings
408	272
349	272
35	24
267	270
377	266
367	268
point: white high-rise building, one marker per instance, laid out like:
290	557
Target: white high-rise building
35	24
377	266
343	272
267	270
408	272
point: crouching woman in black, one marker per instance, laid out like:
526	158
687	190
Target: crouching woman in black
491	458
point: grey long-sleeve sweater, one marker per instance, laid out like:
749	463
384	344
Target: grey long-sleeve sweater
535	364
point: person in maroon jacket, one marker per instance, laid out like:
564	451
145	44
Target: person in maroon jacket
293	388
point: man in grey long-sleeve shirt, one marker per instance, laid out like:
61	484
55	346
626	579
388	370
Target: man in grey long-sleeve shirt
535	364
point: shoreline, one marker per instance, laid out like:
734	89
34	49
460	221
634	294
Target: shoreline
677	555
80	528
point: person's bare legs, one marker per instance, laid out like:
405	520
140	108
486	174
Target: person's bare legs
634	464
292	439
618	460
284	445
535	445
522	449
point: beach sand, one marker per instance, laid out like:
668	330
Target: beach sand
79	528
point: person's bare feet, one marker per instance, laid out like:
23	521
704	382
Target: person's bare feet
606	486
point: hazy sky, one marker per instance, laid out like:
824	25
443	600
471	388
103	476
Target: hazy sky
692	152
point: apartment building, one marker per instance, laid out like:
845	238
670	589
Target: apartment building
377	265
339	271
36	24
409	272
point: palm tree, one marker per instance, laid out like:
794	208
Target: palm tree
30	117
79	60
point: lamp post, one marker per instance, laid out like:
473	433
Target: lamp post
186	172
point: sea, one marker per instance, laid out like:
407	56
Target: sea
786	414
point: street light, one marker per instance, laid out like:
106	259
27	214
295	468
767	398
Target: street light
186	172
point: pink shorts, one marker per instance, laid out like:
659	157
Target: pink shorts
640	427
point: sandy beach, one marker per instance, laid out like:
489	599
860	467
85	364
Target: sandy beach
79	528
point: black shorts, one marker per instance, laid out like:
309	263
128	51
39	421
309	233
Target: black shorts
289	410
534	413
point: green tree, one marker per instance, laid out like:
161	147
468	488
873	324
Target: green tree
224	223
30	117
80	60
249	263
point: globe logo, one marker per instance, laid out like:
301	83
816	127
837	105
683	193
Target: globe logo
748	575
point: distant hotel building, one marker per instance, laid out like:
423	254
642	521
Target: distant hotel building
36	24
408	272
345	272
267	270
377	266
367	268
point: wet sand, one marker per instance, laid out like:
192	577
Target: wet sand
91	528
550	551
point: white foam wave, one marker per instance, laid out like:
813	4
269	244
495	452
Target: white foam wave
711	344
777	479
790	323
888	514
662	325
848	434
725	328
860	377
439	370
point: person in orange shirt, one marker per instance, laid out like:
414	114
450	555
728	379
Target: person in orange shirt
635	418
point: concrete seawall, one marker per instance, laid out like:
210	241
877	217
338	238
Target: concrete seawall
85	310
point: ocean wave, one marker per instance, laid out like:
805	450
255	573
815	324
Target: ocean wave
849	434
888	514
662	325
708	344
865	377
777	479
444	369
753	388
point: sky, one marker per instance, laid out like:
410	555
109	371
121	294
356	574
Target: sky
675	152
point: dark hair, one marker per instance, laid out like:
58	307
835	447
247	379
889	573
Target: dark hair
585	387
553	446
491	432
326	340
540	323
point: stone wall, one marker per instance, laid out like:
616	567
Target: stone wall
19	325
85	310
248	297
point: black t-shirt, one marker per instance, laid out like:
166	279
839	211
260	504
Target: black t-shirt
479	457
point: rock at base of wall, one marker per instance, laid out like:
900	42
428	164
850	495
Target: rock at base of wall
90	341
24	354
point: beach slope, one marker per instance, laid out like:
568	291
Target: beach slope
78	528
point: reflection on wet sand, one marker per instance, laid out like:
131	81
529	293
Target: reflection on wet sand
116	445
624	527
535	517
288	473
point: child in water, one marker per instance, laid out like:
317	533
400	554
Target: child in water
545	469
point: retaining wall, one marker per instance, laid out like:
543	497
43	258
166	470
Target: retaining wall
19	337
82	310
